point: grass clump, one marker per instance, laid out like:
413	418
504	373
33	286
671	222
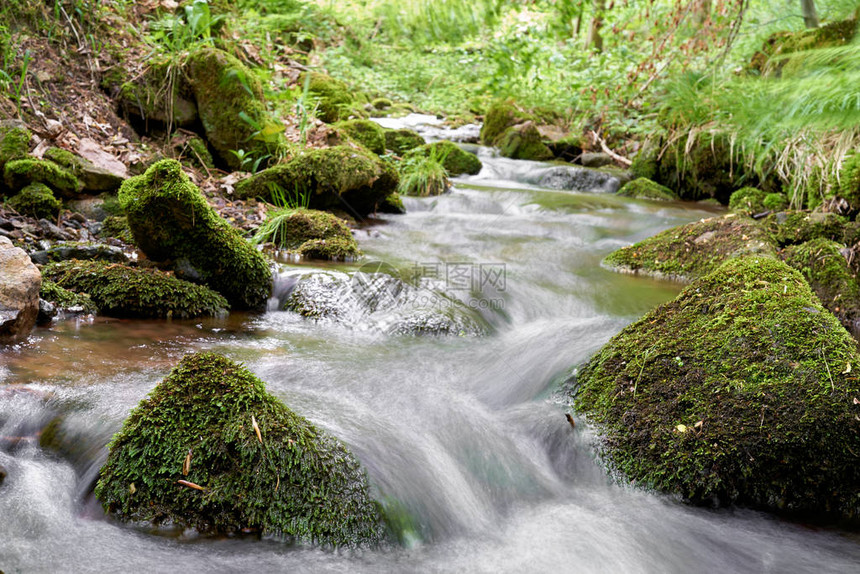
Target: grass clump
738	391
256	464
124	291
424	175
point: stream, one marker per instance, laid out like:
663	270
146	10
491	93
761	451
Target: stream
465	436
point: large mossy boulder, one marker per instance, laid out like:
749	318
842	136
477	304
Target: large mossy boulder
367	133
826	270
170	220
499	117
643	188
455	159
340	177
741	390
210	449
689	251
123	291
334	100
523	141
231	106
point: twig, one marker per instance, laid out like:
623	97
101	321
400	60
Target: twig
190	485
619	158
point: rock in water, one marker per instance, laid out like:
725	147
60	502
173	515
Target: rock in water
245	461
20	281
171	220
741	390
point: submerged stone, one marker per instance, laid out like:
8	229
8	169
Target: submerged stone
170	220
211	449
689	251
741	390
332	178
123	291
577	179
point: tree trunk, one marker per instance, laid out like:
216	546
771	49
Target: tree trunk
810	16
595	40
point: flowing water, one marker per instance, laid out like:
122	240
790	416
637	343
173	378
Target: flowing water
464	436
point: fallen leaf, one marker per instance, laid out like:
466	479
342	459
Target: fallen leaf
186	466
681	428
699	424
847	369
190	485
131	488
256	429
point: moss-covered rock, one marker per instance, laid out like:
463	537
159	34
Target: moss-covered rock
381	103
738	391
782	52
793	227
775	202
123	291
822	264
499	117
81	250
523	141
231	105
643	188
94	179
116	226
367	133
170	220
747	200
14	142
314	234
332	178
36	200
250	461
689	251
392	204
334	100
455	159
66	300
20	173
402	140
568	148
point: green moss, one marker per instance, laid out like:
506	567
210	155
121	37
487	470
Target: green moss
645	162
499	117
711	167
231	106
523	142
117	227
14	144
333	97
66	300
747	200
123	291
20	173
36	200
847	185
170	220
332	178
381	103
392	204
402	140
455	159
738	391
92	178
690	251
312	234
792	227
335	249
643	188
775	202
822	264
369	134
199	152
294	481
772	58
